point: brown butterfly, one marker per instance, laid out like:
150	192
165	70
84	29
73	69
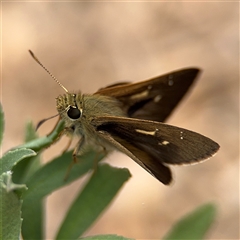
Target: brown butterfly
128	117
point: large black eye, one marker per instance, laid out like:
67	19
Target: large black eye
74	113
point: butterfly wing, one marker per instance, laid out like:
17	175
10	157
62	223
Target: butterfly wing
153	99
153	145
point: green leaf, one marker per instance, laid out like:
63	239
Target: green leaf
33	219
106	237
44	142
24	169
21	173
12	157
1	124
30	132
52	175
8	184
194	225
46	180
94	198
10	208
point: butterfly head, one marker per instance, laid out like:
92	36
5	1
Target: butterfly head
70	106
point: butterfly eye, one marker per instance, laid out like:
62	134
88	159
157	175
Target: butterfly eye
74	113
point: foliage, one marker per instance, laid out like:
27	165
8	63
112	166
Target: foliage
25	182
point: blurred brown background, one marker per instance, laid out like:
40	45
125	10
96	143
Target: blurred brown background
88	45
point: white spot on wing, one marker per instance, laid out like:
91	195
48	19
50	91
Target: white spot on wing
157	98
146	132
140	95
181	135
170	80
163	143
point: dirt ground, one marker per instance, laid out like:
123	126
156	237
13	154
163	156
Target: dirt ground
88	45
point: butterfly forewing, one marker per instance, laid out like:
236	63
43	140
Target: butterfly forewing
155	144
153	99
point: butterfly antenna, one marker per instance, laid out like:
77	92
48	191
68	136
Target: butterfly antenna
36	59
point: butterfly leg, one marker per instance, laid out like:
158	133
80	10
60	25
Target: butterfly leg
74	155
77	149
